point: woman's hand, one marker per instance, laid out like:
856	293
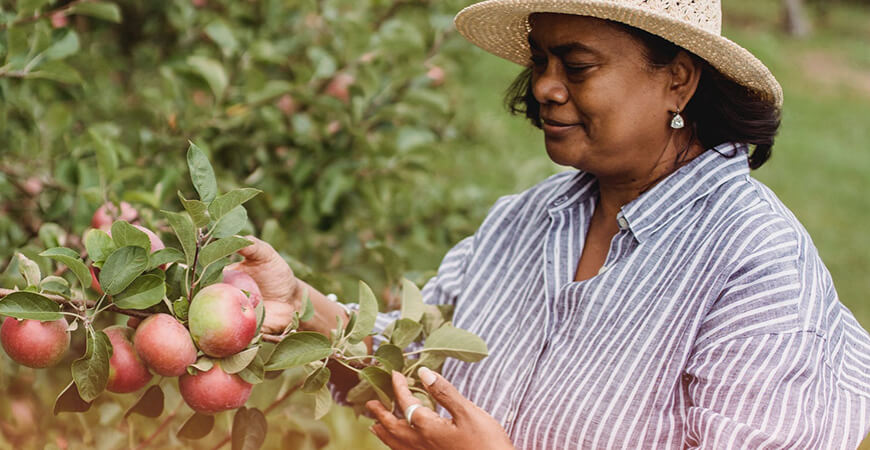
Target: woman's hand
470	428
282	295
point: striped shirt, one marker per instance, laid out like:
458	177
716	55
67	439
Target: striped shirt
713	323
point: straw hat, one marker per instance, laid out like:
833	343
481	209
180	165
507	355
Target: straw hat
501	27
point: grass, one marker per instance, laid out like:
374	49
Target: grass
821	163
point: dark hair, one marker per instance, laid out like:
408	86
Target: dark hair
721	110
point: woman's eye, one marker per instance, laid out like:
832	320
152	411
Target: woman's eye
577	68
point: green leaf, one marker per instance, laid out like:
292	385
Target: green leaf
70	258
308	308
316	380
63	47
382	383
197	209
124	234
391	357
361	393
143	292
69	400
220	248
255	372
201	173
213	273
56	71
225	203
55	285
231	223
91	371
107	157
203	364
197	426
186	233
28	6
100	10
51	234
213	73
99	245
249	429
163	256
412	301
456	343
29	305
223	36
368	312
405	331
299	349
149	405
122	267
236	363
29	270
322	402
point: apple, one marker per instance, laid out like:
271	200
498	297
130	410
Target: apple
222	320
95	280
165	345
33	343
214	391
127	372
244	282
339	86
102	218
156	243
436	75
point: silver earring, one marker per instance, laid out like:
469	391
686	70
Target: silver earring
677	122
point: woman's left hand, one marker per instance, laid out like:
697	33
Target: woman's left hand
470	428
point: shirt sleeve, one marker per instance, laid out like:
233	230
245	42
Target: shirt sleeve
771	391
773	362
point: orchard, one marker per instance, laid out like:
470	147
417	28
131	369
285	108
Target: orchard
334	110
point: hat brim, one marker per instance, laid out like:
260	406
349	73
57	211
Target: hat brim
500	27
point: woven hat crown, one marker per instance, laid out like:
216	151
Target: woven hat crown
704	14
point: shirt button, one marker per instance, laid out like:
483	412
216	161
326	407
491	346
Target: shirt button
559	200
622	222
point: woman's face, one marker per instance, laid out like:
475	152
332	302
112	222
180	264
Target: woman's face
603	108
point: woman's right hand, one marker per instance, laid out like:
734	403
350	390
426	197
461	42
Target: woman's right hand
281	290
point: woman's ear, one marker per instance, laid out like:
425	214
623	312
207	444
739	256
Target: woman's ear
685	72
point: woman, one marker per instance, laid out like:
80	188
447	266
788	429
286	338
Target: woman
657	297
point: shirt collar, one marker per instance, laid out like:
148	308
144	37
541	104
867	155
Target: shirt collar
657	206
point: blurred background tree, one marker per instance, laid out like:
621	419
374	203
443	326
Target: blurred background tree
376	132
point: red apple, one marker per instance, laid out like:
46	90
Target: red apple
95	280
244	282
156	243
214	391
436	74
165	345
102	218
127	372
33	343
222	320
339	86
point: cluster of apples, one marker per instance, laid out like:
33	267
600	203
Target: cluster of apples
222	321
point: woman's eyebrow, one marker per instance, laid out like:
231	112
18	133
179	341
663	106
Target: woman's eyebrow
564	49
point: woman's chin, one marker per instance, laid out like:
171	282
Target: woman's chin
562	152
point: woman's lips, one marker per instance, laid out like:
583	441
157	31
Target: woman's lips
555	128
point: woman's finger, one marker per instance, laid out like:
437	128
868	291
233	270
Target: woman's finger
422	415
257	253
386	437
445	394
398	430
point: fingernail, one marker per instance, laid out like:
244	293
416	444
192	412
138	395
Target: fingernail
426	375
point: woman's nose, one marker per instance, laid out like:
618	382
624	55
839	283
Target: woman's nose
548	87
